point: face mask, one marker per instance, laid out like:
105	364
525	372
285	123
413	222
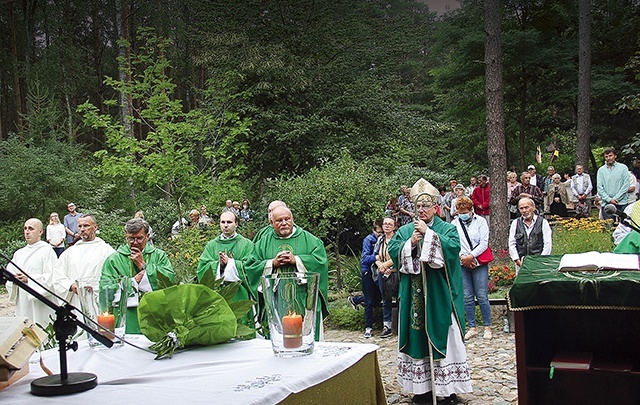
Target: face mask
245	206
464	217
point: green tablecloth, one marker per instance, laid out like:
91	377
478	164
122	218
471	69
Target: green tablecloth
539	285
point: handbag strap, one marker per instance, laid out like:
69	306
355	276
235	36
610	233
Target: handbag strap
466	234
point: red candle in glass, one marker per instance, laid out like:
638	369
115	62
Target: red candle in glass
292	330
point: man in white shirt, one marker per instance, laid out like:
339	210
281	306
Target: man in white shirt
528	235
77	273
581	187
36	259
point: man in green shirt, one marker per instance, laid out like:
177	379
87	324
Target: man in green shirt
141	263
225	257
613	182
287	248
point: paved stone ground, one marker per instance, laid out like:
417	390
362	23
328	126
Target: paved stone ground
492	362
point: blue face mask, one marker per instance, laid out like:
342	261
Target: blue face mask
464	217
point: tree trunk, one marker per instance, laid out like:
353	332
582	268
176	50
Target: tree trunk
17	89
523	120
123	33
495	125
584	86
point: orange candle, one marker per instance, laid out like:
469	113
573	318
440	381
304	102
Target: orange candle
107	321
292	330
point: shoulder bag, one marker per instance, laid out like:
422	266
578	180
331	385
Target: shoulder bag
485	257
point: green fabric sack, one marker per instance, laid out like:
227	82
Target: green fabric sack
185	315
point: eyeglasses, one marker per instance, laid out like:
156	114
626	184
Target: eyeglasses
423	206
136	240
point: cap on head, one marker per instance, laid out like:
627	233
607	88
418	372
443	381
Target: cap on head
531	167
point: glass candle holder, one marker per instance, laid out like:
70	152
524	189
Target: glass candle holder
291	301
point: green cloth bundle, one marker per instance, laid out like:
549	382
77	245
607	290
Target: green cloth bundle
191	314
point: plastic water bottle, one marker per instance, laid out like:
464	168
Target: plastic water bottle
505	329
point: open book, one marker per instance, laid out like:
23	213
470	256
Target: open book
594	261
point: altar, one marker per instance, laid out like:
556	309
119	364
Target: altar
560	314
238	372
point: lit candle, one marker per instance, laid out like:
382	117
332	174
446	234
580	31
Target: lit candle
107	321
292	330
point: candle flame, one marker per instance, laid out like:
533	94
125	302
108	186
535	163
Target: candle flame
105	313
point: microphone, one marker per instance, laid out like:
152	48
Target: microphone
611	209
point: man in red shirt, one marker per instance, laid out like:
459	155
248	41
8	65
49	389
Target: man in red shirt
481	197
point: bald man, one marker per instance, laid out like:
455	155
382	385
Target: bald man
77	273
37	259
286	248
272	205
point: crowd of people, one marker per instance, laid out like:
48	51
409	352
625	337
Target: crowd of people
201	219
443	267
433	242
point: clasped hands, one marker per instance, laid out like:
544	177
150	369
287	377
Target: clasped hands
283	258
469	261
224	259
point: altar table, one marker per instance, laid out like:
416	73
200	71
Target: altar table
238	372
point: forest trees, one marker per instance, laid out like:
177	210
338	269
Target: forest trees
161	153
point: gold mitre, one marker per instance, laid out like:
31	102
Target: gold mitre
424	191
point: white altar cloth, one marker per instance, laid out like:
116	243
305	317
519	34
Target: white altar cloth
238	372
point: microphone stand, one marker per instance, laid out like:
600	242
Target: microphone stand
65	326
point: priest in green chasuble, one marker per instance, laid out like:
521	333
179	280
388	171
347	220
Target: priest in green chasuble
287	248
225	257
431	309
139	261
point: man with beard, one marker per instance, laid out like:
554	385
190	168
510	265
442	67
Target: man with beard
526	190
77	272
530	234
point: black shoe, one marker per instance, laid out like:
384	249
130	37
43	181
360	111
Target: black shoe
450	400
386	332
423	398
353	303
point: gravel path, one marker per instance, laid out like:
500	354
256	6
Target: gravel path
493	362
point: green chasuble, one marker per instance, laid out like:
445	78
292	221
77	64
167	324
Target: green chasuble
119	265
630	244
307	248
238	248
444	294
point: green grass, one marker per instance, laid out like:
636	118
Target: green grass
582	235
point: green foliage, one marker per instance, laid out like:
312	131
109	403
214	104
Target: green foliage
184	252
342	316
338	197
39	179
163	156
350	272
